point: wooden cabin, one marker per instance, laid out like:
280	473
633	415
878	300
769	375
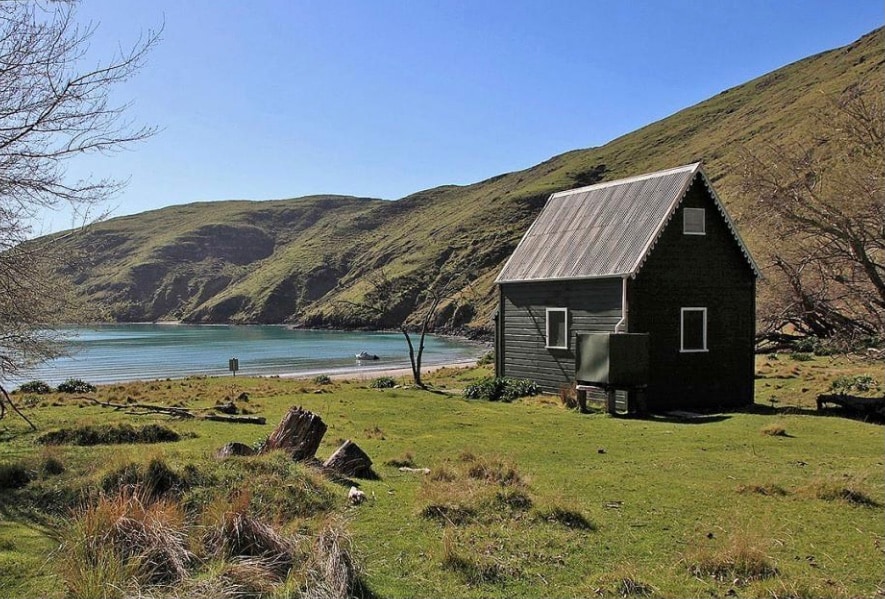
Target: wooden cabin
654	259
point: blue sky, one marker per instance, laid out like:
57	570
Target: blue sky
382	98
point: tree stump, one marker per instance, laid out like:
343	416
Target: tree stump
349	460
299	433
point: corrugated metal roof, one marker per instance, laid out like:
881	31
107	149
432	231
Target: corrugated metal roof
604	230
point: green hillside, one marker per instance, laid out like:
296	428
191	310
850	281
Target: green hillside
298	261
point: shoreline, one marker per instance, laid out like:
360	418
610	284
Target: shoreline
369	373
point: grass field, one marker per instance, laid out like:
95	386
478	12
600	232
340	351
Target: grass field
523	499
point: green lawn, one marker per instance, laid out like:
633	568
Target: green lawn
530	499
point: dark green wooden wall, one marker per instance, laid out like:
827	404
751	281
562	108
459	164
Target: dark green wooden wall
593	306
697	271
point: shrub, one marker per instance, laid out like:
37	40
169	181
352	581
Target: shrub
501	389
38	387
487	358
801	356
75	386
383	382
322	379
108	434
862	383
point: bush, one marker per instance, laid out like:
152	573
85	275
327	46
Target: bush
501	389
487	358
322	379
862	383
38	387
107	434
383	382
75	386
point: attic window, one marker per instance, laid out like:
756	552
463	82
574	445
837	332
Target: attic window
693	221
557	328
693	330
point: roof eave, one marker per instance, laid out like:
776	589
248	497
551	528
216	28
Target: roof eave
565	279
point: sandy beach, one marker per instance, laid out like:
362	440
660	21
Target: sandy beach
369	372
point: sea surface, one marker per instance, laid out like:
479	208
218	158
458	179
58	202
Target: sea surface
126	352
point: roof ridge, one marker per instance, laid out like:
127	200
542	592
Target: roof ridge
694	166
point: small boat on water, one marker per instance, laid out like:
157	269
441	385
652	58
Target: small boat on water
364	355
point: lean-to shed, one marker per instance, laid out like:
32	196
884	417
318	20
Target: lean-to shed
655	254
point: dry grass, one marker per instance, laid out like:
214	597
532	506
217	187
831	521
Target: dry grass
232	532
123	543
774	429
741	558
768	489
846	490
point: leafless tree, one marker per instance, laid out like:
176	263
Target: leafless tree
53	107
823	204
411	304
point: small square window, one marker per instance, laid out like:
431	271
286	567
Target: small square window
693	330
557	328
694	221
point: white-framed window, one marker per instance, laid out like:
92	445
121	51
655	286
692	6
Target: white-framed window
693	330
557	328
694	221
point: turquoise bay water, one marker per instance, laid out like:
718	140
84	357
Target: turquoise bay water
111	353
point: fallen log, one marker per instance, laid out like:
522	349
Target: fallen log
299	434
863	405
349	460
146	408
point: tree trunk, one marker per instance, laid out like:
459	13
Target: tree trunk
299	433
350	460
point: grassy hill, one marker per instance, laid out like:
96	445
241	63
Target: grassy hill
296	261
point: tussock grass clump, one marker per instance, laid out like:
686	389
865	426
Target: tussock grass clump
14	475
150	481
846	490
623	581
474	490
406	461
109	434
474	570
568	396
767	489
566	516
448	514
232	531
740	558
121	543
774	429
331	572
